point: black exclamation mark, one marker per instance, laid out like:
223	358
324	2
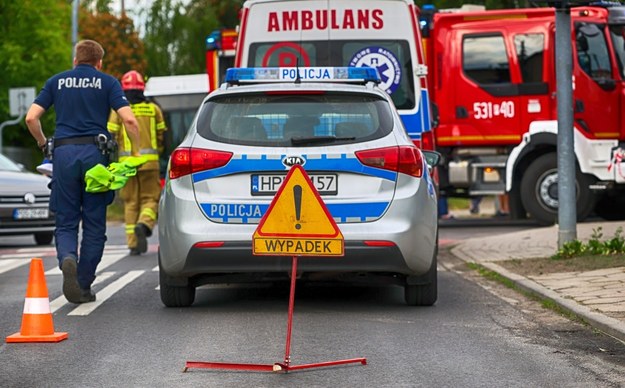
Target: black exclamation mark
297	194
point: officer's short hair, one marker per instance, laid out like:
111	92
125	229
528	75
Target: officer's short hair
89	52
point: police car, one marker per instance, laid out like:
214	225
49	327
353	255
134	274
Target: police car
344	132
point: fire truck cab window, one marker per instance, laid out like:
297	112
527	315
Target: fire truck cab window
484	59
530	50
592	50
618	40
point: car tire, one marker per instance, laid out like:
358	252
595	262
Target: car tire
539	191
44	238
175	296
425	292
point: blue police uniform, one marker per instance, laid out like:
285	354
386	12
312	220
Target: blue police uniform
83	98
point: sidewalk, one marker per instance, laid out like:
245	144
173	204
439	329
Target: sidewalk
598	296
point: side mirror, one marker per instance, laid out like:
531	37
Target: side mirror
432	158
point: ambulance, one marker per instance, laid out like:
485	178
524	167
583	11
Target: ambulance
382	34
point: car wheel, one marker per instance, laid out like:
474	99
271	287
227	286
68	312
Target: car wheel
425	291
175	296
539	191
44	238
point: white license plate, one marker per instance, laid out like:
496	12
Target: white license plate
30	214
268	184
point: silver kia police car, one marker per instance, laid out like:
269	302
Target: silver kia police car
344	132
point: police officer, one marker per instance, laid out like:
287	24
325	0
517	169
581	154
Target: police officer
142	191
83	98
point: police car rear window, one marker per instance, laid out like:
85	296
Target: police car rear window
295	120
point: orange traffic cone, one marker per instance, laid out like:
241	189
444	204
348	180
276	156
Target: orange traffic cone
37	323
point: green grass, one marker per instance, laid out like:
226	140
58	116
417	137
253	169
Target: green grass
545	302
458	203
115	211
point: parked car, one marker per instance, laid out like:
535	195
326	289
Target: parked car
344	131
24	200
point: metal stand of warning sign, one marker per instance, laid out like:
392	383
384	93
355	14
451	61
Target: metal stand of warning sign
297	199
285	366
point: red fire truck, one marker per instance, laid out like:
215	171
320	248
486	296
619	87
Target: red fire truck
221	47
492	77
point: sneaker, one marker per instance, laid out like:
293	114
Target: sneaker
71	288
142	232
86	296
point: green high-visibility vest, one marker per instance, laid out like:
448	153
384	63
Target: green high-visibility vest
99	179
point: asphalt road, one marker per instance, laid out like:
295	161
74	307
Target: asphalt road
477	334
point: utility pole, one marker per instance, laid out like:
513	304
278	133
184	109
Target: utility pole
75	6
567	204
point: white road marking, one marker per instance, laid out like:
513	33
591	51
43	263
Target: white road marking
61	301
108	259
10	264
104	294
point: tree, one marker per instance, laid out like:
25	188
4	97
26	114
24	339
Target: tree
161	36
124	50
35	44
175	34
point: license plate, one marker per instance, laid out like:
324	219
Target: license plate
30	214
268	184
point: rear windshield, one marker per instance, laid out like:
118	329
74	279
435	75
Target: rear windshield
292	120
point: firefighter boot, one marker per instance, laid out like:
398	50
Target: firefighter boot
142	232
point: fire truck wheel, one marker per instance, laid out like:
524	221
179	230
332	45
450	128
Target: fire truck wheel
539	191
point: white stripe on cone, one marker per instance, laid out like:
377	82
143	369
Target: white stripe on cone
37	306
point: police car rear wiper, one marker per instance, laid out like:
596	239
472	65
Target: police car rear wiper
318	139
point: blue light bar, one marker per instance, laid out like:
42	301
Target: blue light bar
301	74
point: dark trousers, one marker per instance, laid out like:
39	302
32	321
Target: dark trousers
73	205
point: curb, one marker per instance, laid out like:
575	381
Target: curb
610	326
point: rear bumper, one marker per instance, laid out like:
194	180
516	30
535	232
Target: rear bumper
234	262
16	229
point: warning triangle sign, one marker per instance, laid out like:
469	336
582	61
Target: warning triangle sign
297	210
297	221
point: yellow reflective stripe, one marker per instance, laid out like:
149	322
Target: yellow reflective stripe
146	151
148	213
113	127
148	157
160	126
130	228
153	132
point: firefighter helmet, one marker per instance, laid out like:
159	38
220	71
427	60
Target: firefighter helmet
133	80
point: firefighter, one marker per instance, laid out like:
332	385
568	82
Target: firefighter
142	192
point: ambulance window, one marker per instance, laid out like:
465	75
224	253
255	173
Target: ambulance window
592	51
484	59
391	58
529	51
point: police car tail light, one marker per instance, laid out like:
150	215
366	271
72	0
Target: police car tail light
185	161
404	159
